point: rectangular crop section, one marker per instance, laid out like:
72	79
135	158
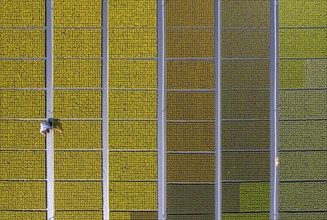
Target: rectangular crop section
75	196
141	74
132	104
190	105
77	43
22	43
20	195
78	135
191	136
77	104
132	43
77	73
22	74
27	13
22	165
13	138
132	135
132	166
183	43
72	165
133	196
132	14
82	13
22	104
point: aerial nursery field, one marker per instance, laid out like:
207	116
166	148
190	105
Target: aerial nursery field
77	50
190	109
303	97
